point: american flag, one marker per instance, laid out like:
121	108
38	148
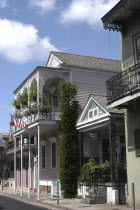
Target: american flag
18	122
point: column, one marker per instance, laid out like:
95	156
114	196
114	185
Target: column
38	177
15	175
21	165
29	166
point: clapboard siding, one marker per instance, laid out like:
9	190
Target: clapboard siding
90	82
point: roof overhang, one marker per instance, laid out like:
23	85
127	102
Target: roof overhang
116	18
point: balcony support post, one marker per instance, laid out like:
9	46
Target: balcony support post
15	175
38	177
29	166
21	165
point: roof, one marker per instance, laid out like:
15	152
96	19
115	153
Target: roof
88	62
102	100
116	18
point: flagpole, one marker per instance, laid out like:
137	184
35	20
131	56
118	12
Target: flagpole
15	176
38	184
29	168
21	165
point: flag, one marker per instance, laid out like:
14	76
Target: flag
18	122
3	144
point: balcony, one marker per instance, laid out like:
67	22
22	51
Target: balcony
31	116
124	84
25	145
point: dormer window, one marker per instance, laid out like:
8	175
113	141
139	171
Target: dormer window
92	113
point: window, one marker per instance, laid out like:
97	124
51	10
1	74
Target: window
43	156
53	154
137	47
92	113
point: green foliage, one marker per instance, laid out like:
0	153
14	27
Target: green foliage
33	93
44	108
21	101
16	103
18	115
24	99
69	147
95	173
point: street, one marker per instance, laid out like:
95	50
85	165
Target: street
12	204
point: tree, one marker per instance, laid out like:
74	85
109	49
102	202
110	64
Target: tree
69	147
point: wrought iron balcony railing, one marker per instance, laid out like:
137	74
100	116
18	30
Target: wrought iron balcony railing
123	84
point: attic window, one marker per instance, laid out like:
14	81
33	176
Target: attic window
92	113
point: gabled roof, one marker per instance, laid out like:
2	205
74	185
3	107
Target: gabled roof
101	103
88	62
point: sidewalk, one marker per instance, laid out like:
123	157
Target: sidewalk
64	204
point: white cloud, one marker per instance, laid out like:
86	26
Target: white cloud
21	43
43	5
89	11
3	3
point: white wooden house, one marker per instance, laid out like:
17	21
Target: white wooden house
90	75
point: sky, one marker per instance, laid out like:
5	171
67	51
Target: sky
31	29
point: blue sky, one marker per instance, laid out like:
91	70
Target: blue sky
30	29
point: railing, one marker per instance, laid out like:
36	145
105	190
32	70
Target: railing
18	146
124	84
52	114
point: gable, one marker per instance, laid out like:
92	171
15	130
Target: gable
92	112
53	61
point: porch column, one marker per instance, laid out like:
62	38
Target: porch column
21	165
29	166
113	153
38	187
15	175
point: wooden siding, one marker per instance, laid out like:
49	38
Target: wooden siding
90	82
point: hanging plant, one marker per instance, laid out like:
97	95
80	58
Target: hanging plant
33	93
44	108
24	99
18	115
16	104
21	101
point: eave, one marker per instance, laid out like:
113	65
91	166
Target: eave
116	18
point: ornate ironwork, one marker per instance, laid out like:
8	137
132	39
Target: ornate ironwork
113	26
123	84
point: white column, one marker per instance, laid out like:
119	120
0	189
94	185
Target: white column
21	165
38	177
15	175
29	166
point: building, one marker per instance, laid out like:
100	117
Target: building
102	138
124	89
4	136
37	166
